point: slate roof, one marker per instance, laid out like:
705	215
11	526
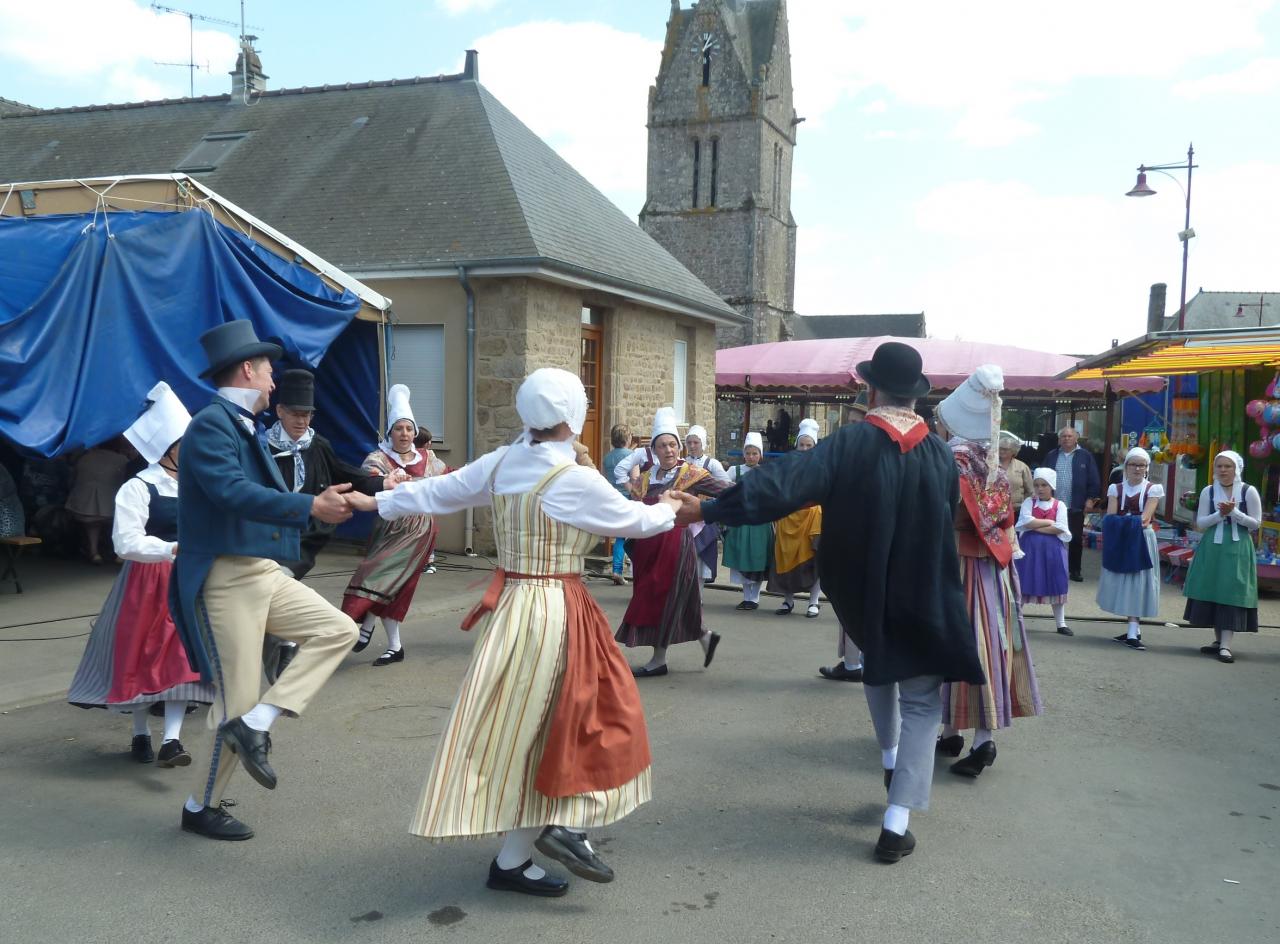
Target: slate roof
826	327
1218	310
418	173
10	107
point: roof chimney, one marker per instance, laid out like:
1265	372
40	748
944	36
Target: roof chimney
471	70
1155	308
247	78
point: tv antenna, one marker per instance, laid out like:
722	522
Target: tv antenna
191	65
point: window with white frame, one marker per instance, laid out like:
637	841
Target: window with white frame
416	356
680	379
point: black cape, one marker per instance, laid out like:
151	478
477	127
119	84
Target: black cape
888	563
322	469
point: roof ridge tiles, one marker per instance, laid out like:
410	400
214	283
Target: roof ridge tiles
268	93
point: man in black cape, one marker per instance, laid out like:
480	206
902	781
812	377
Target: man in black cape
308	465
888	562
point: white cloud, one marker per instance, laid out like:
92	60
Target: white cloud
999	261
986	61
1260	77
460	7
113	43
581	87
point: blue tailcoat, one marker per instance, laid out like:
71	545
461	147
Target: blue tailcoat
231	501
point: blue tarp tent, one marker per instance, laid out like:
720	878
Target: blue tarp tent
96	307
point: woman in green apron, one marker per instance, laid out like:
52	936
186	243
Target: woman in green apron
1222	585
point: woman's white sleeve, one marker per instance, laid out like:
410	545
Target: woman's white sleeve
1251	517
583	499
441	494
1024	514
1207	515
129	526
1063	523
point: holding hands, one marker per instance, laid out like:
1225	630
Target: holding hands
688	509
331	506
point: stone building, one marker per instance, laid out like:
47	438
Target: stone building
432	193
722	131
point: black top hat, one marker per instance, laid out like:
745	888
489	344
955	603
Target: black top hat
232	342
896	369
297	390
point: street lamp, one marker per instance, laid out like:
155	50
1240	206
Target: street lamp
1141	189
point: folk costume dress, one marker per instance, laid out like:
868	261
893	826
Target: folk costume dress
1129	584
384	583
134	656
982	538
748	548
1042	572
666	598
547	727
1222	584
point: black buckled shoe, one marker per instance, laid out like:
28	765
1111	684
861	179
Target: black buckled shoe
840	673
214	822
977	760
252	747
140	749
362	642
951	746
574	853
390	656
173	754
514	880
893	848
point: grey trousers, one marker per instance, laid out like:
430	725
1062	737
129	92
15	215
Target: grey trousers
906	716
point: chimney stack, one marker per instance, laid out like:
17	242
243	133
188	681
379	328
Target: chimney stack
1155	308
471	69
247	78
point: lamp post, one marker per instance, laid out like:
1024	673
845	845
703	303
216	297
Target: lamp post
1140	189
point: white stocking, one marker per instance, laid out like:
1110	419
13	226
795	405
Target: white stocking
174	712
393	632
140	721
518	849
659	657
1060	614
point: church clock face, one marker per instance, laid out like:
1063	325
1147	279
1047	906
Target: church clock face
705	43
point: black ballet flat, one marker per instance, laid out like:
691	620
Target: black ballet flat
391	655
951	746
640	671
711	649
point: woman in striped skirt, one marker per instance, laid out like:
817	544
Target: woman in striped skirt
547	736
134	661
970	418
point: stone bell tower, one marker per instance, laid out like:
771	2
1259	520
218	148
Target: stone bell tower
722	133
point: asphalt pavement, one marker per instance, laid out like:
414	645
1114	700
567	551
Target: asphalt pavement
1143	806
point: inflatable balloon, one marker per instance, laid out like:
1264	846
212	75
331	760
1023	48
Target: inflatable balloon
1253	409
1260	448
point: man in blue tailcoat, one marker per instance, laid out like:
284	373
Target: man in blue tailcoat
237	521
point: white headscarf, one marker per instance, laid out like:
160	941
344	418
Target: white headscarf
1137	452
1047	474
551	396
700	432
162	425
1235	495
397	410
808	427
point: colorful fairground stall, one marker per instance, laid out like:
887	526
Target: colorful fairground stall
1224	393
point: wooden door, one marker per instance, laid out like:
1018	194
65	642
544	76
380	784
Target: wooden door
591	370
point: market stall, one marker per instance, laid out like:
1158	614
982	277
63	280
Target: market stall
1224	394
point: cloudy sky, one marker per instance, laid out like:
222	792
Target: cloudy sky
968	160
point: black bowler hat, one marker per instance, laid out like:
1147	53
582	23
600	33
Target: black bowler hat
232	342
896	369
297	390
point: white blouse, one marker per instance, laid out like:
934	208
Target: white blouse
579	496
133	508
1128	491
1249	517
1059	521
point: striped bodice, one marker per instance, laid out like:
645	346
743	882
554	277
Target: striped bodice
530	542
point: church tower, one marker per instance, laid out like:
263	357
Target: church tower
722	131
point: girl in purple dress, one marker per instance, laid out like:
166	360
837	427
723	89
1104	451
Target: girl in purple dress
1044	536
